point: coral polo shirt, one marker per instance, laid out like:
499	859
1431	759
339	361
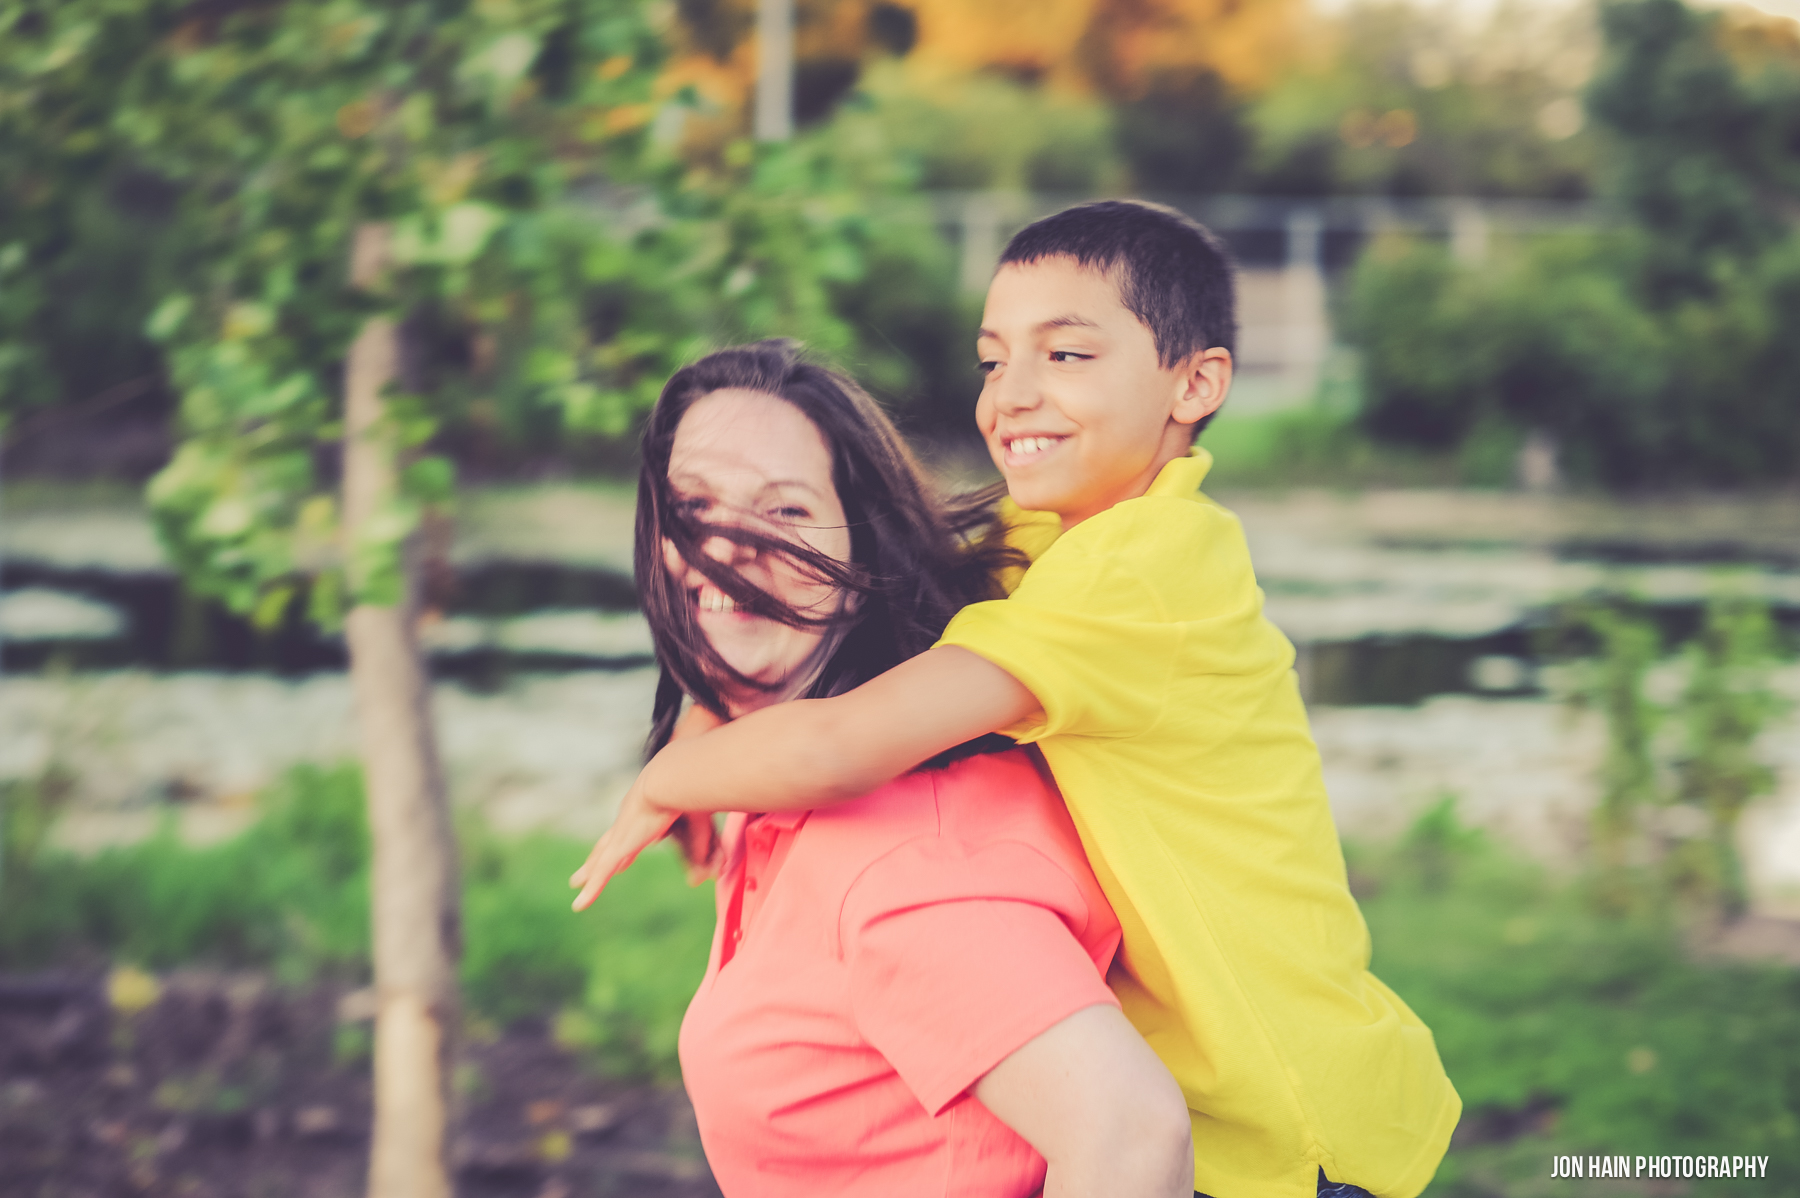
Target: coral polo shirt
872	961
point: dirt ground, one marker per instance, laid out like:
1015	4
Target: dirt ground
226	1086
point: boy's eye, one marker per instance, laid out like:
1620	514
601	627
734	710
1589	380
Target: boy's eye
1069	355
987	367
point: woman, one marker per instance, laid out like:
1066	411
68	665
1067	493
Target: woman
906	993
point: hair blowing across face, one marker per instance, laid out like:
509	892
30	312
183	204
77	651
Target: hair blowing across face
915	559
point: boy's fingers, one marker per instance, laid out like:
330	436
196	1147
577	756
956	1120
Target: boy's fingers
596	882
599	869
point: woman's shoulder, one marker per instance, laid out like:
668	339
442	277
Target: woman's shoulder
959	812
1006	795
991	827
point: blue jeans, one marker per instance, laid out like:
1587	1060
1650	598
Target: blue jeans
1328	1189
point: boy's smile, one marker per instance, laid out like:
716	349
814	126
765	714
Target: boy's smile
1078	411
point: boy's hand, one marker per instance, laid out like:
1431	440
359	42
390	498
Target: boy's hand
638	825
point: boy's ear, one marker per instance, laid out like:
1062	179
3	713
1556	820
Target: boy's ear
1204	380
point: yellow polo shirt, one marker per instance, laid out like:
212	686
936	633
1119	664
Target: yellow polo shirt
1173	723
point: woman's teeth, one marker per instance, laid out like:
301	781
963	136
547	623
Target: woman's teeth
1025	446
711	600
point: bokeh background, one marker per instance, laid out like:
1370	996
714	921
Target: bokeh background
1515	437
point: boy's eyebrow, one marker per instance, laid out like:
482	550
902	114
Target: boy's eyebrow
1070	321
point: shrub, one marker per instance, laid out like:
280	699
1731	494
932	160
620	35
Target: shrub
1656	353
291	894
1557	337
1583	1032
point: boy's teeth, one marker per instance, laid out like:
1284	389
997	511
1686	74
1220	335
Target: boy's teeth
1032	444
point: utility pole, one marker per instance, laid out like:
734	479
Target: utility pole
774	70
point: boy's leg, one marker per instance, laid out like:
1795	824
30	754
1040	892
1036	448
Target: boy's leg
1340	1189
1328	1189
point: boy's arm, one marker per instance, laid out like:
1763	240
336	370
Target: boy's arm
1097	1104
811	752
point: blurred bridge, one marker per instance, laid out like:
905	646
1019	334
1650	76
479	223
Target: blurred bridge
1286	250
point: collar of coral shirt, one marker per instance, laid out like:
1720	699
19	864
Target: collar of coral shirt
756	847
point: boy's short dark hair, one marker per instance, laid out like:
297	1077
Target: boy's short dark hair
1173	274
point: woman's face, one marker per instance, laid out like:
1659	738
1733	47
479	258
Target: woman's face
752	459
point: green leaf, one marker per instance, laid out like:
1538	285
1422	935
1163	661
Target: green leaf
466	229
325	603
227	517
272	608
430	480
168	318
501	62
547	365
454	237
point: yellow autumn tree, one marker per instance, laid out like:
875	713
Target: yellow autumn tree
1116	48
715	47
1111	49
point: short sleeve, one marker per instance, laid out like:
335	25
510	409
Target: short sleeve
1085	632
954	962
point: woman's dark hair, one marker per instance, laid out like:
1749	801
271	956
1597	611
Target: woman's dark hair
915	558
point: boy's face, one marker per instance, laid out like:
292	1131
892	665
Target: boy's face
1078	411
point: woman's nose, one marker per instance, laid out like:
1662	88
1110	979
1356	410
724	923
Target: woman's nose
725	550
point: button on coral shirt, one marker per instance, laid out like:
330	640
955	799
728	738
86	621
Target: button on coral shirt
872	961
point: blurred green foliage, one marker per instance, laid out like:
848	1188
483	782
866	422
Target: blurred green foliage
1413	100
981	131
555	260
1325	443
1579	1031
291	895
1677	775
1566	1031
1613	683
1724	707
1655	354
178	187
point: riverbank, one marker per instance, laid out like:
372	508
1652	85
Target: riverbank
1414	612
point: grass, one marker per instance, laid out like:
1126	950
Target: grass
291	895
1564	1030
34	495
1569	1032
1322	446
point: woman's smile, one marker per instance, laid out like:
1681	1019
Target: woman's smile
751	460
711	600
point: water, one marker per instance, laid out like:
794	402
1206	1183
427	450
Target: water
157	624
506	618
1420	619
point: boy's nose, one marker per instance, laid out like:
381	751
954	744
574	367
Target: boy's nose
1013	390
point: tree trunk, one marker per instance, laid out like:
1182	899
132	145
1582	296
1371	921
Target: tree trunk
415	902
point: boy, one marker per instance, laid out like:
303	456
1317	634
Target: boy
1135	654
